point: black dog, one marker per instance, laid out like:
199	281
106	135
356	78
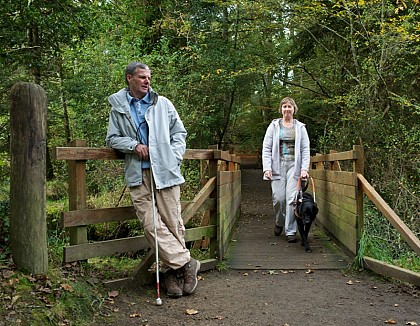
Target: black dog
305	213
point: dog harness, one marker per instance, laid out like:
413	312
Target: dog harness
299	197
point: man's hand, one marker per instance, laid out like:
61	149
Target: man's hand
142	151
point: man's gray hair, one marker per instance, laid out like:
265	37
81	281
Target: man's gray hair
132	66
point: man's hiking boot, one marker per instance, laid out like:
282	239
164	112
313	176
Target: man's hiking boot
291	238
190	275
171	284
277	230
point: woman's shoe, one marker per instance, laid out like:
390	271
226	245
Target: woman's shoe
277	230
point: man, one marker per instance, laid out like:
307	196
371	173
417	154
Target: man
147	128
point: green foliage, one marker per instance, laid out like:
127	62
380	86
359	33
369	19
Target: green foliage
53	212
193	174
200	254
249	133
381	241
106	177
4	221
114	230
56	241
109	268
56	189
222	266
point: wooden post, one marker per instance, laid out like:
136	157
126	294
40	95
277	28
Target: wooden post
28	225
358	167
214	245
77	193
334	165
319	165
359	164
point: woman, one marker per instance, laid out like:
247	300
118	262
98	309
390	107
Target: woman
285	157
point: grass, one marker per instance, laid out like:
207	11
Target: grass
60	297
109	268
381	241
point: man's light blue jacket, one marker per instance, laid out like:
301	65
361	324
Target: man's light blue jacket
167	137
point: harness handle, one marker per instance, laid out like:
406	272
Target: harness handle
298	186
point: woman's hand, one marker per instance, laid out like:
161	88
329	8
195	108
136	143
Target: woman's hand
268	174
304	174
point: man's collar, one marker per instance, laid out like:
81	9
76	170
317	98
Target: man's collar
145	99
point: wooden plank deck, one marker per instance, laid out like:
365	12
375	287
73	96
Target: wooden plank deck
254	245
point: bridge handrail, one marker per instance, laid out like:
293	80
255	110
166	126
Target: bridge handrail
341	156
390	215
81	153
218	182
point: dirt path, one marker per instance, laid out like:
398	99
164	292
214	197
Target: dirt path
271	297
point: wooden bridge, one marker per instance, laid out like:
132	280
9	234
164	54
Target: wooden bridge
254	245
340	188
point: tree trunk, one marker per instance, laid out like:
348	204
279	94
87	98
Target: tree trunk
28	226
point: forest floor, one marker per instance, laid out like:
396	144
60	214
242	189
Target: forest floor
272	297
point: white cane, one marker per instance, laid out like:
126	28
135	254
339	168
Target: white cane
158	299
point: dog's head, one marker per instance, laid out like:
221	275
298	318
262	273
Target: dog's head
305	207
309	207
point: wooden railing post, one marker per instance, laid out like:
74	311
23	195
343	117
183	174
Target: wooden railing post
358	167
319	165
232	165
77	193
214	242
359	164
334	165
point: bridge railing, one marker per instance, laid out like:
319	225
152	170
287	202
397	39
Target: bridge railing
408	235
219	198
339	201
340	194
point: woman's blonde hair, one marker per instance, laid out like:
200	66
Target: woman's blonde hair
288	100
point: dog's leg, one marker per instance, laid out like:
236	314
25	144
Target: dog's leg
301	229
304	235
306	232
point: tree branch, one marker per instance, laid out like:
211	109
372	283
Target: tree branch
326	93
308	89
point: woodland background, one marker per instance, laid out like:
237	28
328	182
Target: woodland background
352	67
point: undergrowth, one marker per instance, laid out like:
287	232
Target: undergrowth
381	241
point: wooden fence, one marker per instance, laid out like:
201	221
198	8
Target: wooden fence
219	198
340	195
